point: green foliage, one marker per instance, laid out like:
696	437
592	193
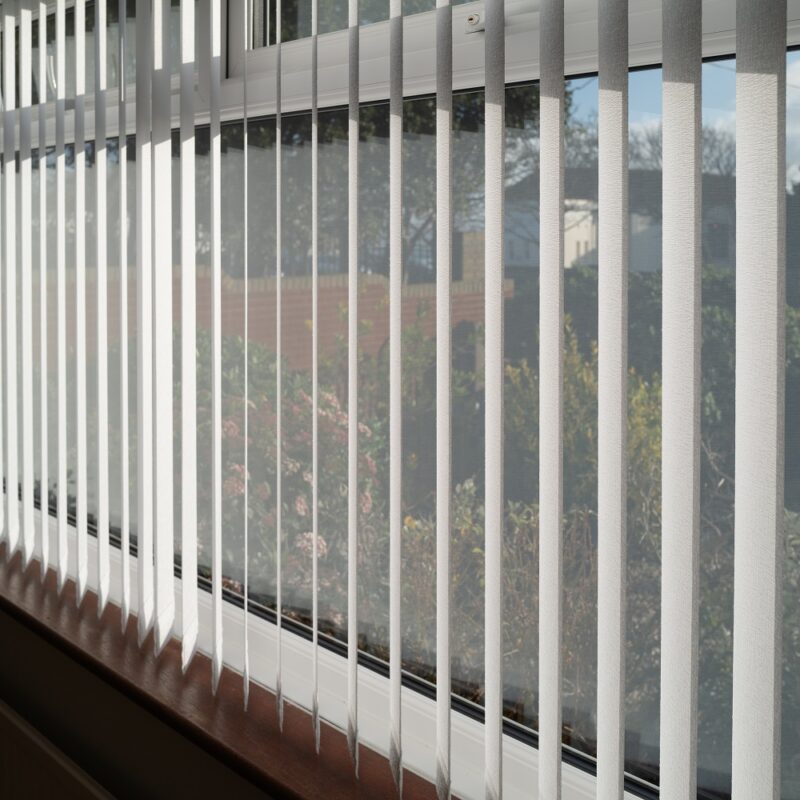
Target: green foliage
520	542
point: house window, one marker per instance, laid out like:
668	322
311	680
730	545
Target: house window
269	369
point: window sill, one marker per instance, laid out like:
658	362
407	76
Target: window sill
249	743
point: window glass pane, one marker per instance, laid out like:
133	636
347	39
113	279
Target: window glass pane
521	401
262	360
117	339
419	385
580	417
233	286
418	371
373	379
112	47
69	256
203	289
717	425
69	54
333	416
177	364
112	41
296	310
52	335
296	17
89	44
90	306
791	624
644	427
19	314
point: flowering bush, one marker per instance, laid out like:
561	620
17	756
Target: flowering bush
520	535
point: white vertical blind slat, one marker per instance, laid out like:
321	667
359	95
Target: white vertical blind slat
279	365
760	348
101	243
26	275
188	341
122	145
62	488
4	476
760	385
444	269
551	348
81	425
162	327
315	373
493	266
681	275
10	270
612	395
144	318
247	13
352	381
395	385
44	383
216	335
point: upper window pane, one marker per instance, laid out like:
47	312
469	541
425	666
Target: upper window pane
296	16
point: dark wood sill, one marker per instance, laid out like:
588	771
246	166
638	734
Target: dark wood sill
248	744
31	767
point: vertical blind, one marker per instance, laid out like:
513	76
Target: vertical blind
681	395
179	70
760	391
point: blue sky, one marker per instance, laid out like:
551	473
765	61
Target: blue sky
793	116
719	101
719	94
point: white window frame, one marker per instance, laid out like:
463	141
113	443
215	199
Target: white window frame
522	58
520	770
419	712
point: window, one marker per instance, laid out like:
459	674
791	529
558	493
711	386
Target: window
268	364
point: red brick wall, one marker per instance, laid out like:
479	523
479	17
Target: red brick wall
468	305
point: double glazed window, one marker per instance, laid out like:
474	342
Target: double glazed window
267	483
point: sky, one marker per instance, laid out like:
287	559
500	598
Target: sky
719	101
719	94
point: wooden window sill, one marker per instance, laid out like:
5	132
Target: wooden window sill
249	743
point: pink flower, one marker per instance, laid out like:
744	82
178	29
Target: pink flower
230	429
331	399
233	487
365	501
300	506
305	543
362	428
263	491
371	466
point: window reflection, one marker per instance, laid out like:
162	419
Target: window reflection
333	15
791	621
644	427
113	65
419	421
